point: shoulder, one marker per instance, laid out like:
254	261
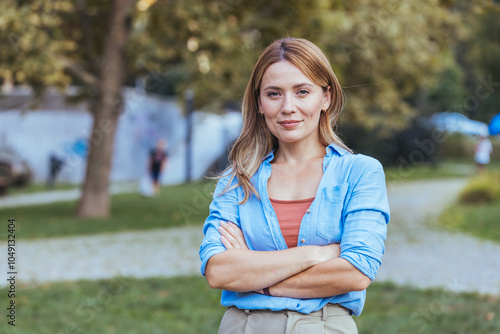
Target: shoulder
349	159
362	162
228	182
360	168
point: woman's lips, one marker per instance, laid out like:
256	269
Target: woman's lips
289	124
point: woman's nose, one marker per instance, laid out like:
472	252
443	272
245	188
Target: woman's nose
288	105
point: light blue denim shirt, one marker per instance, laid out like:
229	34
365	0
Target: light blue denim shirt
350	208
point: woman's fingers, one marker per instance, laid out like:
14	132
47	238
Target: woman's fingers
226	243
235	232
227	239
233	235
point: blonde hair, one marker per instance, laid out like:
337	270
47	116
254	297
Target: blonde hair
256	141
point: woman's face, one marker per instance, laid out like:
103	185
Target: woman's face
291	103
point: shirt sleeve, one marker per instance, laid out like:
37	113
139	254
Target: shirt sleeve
365	219
223	207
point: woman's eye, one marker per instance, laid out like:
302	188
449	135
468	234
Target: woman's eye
272	94
303	92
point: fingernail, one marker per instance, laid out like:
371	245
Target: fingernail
222	222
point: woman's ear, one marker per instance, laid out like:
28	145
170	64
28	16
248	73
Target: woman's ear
259	105
327	97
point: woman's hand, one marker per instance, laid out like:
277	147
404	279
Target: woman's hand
232	236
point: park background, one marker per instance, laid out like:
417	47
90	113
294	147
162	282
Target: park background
97	82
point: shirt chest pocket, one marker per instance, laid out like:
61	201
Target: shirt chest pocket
329	219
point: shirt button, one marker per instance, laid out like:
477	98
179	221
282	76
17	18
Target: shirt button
308	210
303	241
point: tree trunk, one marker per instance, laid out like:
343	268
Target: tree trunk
106	109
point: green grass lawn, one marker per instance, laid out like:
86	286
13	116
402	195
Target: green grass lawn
39	187
477	211
481	220
189	305
178	205
395	309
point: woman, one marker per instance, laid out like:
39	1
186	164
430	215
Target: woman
298	222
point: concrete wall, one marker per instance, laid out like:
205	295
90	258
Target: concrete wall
35	135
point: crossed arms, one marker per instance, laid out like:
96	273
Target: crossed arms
300	272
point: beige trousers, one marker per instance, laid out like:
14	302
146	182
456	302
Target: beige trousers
331	319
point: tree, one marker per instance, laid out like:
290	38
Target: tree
106	109
45	55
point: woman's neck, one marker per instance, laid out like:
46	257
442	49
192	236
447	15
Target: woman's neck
296	153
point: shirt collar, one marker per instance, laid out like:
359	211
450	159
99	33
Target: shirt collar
332	148
269	157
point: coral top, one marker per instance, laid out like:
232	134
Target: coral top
290	214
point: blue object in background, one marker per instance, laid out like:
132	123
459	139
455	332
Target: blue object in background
456	122
494	127
80	147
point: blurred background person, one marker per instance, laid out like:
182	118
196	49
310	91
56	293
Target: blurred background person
482	153
158	161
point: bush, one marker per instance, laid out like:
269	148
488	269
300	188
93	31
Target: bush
484	188
458	147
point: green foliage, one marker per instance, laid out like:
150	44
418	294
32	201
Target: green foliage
457	146
481	52
32	43
447	92
373	47
395	59
484	188
380	55
211	46
189	305
179	205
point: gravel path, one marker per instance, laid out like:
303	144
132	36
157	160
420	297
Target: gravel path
416	254
419	254
45	197
166	252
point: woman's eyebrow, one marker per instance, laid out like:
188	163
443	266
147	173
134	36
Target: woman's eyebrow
299	85
272	88
303	84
